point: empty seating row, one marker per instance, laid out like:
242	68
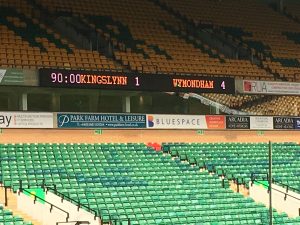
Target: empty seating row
280	105
269	34
153	40
147	43
7	218
259	104
27	43
132	181
232	101
239	161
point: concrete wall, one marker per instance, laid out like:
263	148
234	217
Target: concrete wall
289	205
88	136
38	211
41	212
75	214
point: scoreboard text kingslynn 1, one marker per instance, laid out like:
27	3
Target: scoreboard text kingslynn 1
135	82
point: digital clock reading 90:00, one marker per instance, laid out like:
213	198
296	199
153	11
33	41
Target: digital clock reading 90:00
135	82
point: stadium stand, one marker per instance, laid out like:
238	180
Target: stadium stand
7	218
152	39
240	160
259	104
266	32
292	8
186	183
132	181
147	40
232	101
281	105
161	44
27	43
163	33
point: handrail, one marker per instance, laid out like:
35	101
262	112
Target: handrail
288	187
76	222
47	187
36	184
276	182
43	186
43	200
63	196
285	193
5	195
79	205
20	186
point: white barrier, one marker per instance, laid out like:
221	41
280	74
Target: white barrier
289	203
74	213
47	215
41	212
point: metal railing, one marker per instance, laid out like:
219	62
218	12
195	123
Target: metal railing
282	192
78	204
5	195
266	178
253	179
43	200
47	187
74	222
287	187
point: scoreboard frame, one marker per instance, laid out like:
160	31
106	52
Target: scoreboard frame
59	78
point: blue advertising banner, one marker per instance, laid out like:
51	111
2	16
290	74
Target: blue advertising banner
80	120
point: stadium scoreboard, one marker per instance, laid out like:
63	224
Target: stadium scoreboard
135	82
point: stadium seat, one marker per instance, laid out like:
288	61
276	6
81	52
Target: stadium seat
27	43
265	32
132	181
7	218
239	160
153	42
259	104
279	105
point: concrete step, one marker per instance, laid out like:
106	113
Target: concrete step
13	205
242	189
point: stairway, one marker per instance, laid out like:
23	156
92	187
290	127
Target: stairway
13	206
242	189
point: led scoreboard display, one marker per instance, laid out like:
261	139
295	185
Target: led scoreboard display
135	82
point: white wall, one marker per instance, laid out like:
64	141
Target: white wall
289	205
81	215
41	212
